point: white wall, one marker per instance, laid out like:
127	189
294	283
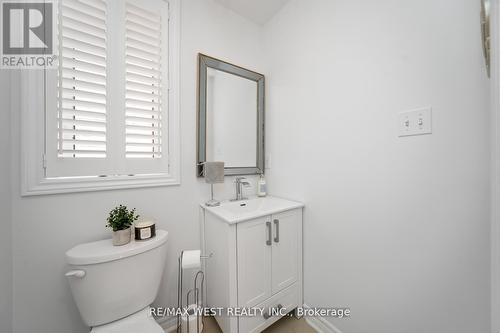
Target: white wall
495	170
5	208
395	228
45	227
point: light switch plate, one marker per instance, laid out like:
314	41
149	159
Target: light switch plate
415	122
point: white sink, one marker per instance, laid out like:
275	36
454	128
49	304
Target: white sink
238	211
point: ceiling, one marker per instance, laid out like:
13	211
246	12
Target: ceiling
258	11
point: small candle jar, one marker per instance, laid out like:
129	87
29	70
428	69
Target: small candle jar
145	230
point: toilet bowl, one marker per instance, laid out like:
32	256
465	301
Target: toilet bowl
137	323
113	286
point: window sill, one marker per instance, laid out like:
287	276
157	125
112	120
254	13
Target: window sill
48	186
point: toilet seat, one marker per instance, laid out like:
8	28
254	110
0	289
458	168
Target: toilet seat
140	322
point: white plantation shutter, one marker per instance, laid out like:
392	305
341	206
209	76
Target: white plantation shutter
82	79
144	102
108	102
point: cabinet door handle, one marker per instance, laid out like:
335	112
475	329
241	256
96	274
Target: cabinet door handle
273	312
277	226
269	232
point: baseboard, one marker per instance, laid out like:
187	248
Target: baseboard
168	324
321	325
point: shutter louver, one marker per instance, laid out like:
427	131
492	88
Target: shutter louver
82	79
143	87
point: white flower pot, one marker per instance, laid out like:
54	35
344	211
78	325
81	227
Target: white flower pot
121	237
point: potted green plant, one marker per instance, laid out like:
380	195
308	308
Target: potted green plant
120	219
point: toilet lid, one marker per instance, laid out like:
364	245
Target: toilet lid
143	325
104	251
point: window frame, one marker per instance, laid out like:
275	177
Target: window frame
33	123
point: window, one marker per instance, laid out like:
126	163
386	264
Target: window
111	110
143	77
82	80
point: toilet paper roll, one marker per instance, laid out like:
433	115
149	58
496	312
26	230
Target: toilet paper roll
191	259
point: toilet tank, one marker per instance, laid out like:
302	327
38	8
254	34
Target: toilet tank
111	282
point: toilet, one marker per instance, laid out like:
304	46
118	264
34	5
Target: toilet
113	286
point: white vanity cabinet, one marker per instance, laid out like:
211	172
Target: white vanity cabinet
256	262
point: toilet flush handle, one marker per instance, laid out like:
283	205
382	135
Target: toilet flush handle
77	273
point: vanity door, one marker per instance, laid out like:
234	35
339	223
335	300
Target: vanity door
254	261
287	227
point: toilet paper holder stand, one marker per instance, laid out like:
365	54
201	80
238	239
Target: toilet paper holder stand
196	293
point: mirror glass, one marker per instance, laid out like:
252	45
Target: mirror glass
230	117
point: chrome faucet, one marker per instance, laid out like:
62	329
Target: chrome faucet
240	182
